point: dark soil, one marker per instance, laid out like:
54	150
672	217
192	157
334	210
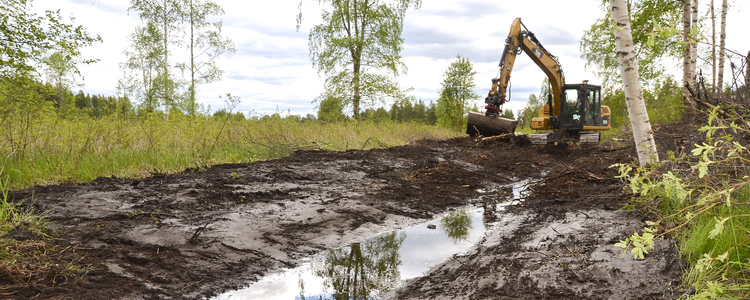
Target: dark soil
200	233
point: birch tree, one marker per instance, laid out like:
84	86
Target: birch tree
61	70
713	48
144	58
167	16
693	44
205	43
358	48
625	51
687	54
456	93
722	40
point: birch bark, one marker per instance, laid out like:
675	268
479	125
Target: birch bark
686	75
641	125
713	48
722	39
693	45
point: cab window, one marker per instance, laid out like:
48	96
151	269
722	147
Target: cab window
571	98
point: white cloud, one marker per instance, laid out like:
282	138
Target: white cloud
272	69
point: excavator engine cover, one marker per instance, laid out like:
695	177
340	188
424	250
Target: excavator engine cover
479	124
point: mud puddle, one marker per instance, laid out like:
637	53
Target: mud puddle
375	267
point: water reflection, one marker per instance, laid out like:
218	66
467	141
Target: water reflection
456	225
360	271
373	268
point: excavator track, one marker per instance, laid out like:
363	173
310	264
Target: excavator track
549	137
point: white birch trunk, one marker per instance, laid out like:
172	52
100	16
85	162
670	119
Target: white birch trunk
642	133
686	75
694	47
713	48
722	39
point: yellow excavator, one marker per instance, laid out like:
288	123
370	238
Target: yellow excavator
572	113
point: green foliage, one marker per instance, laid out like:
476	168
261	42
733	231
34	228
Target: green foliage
530	111
363	270
663	103
205	44
375	115
331	110
456	225
507	113
148	75
61	71
41	148
704	200
144	58
25	37
456	93
597	44
640	243
358	49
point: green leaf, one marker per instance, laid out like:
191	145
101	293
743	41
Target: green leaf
637	252
723	257
697	150
718	228
622	244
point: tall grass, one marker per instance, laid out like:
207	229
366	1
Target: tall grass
54	150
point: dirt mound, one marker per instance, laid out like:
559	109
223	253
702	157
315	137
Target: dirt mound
199	233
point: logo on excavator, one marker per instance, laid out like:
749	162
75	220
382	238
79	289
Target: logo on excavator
537	52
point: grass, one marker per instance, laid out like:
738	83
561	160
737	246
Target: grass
57	150
720	258
703	200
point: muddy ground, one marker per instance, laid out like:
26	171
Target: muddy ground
197	234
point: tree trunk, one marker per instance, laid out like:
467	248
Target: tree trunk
642	133
694	46
192	61
166	63
686	82
357	96
713	48
747	71
722	38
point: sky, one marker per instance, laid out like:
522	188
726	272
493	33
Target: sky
272	72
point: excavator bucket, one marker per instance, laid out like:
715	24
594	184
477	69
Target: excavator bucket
479	124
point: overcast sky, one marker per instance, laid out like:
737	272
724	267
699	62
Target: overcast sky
272	71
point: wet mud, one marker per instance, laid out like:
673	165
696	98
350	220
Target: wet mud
204	232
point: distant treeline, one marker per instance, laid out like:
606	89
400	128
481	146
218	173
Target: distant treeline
80	104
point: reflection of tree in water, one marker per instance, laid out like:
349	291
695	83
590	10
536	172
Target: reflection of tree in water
363	270
457	225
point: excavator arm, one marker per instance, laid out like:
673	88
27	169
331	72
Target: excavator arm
524	40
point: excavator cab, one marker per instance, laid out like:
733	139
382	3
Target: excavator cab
581	107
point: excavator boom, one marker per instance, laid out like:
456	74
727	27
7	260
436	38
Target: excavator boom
523	40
